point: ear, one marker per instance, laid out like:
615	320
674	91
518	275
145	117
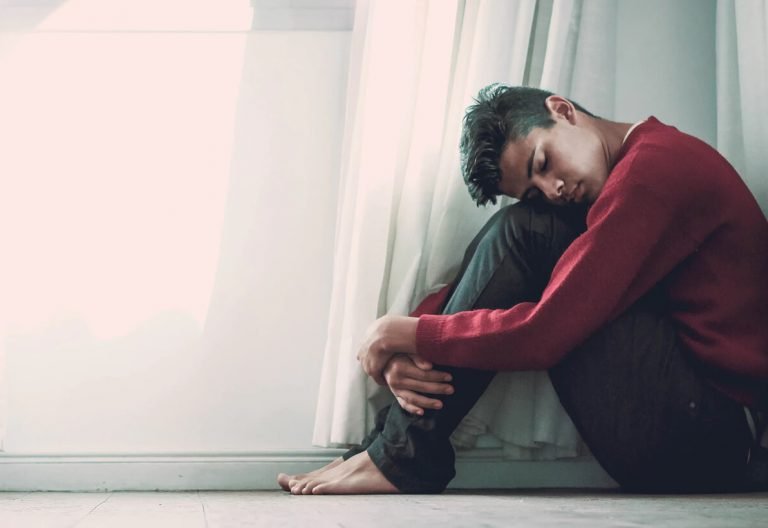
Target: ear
560	108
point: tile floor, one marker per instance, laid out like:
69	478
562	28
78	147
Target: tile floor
508	508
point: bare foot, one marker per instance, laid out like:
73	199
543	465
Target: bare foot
357	475
284	480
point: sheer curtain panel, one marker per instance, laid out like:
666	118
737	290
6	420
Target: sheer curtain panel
742	85
405	216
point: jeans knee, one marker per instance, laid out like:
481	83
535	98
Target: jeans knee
517	221
527	226
544	230
508	223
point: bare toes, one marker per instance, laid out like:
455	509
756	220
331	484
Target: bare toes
307	490
319	489
284	481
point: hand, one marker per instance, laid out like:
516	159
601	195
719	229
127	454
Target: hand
409	375
387	336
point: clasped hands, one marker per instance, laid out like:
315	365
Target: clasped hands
388	355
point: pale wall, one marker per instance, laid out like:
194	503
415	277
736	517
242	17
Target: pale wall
666	64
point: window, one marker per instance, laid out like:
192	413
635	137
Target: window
116	137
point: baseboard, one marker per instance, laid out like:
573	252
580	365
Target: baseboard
257	471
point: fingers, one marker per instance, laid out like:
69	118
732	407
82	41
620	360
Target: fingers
421	386
412	384
403	366
374	369
378	377
416	403
408	407
422	363
401	373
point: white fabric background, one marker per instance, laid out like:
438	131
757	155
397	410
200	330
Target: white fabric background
742	90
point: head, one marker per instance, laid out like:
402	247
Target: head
531	144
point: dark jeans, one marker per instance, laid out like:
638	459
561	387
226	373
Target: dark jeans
635	396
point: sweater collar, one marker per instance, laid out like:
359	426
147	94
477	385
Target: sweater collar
633	134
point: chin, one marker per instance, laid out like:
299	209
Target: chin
592	196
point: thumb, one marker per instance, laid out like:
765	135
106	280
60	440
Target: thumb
422	363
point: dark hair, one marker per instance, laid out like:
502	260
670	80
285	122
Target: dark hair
500	114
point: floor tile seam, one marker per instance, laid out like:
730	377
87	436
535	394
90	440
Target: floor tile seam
84	517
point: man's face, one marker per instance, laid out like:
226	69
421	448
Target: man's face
564	164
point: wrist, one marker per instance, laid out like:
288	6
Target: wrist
401	331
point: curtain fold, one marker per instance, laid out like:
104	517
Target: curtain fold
405	216
742	84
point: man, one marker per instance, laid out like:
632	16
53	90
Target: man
651	318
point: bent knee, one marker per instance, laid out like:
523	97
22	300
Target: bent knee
539	227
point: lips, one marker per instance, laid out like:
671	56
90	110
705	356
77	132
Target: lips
578	192
575	194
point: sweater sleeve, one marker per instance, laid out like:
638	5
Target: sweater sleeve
633	240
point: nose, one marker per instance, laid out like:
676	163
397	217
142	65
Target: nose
552	188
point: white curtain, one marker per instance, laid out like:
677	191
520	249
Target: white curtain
742	85
405	216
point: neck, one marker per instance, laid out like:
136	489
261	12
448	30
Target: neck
611	134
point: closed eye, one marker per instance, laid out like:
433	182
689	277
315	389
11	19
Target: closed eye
533	193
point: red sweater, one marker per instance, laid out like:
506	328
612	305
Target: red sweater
672	211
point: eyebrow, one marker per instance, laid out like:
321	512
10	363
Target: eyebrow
530	175
530	163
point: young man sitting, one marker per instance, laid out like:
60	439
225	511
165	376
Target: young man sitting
633	268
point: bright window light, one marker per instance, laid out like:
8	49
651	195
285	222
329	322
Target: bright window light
114	162
151	15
